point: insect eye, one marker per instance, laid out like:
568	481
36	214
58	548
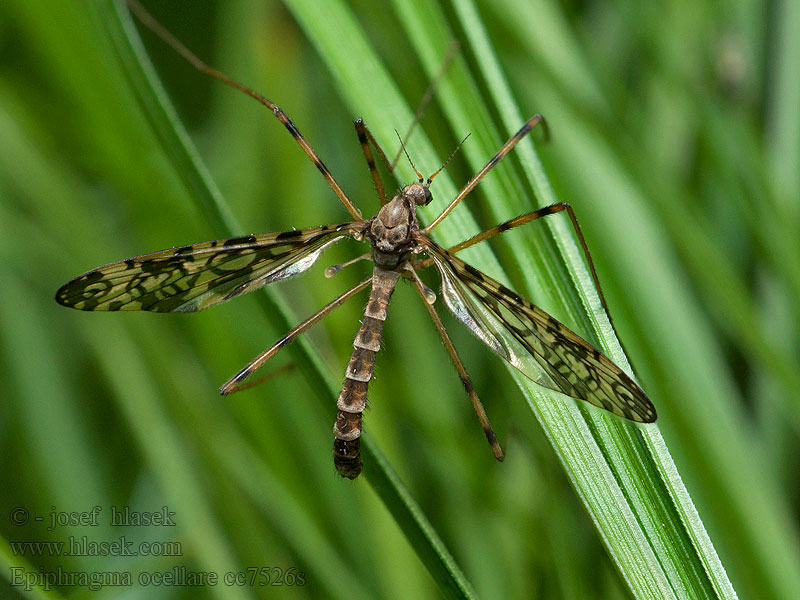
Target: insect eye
428	196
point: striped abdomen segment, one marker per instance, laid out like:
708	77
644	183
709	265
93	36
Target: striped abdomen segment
353	399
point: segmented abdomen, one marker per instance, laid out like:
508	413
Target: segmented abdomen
353	398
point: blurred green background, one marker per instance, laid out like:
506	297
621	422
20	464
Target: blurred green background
676	137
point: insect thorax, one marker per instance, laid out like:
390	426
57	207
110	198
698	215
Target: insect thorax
392	231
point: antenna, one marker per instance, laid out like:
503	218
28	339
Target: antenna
449	158
411	162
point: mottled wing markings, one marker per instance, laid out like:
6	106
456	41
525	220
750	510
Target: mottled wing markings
535	343
194	277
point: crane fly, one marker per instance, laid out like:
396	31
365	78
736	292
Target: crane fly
197	276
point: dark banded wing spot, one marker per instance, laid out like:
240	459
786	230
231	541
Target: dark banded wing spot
540	347
194	277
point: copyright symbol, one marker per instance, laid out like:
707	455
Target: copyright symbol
19	516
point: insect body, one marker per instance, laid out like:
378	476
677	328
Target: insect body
392	235
194	277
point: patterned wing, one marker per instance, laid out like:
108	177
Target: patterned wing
538	345
191	278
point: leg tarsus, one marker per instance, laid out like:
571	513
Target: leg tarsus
151	23
234	384
365	137
504	149
462	373
552	209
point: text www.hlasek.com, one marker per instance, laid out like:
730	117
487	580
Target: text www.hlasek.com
83	546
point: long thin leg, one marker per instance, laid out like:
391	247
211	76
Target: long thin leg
527	218
364	138
532	216
149	21
462	372
512	141
233	384
271	375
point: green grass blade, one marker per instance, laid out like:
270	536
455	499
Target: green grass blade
688	543
621	183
